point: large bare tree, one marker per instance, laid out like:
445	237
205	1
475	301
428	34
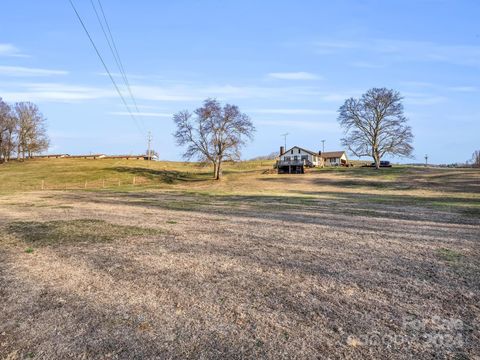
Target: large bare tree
31	133
214	133
375	125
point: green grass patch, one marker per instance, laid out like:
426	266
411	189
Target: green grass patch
74	231
171	222
449	255
29	250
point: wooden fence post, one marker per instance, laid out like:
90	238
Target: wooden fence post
85	184
133	181
103	183
119	182
43	184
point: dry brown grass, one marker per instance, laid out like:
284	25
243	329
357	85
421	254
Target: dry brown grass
259	266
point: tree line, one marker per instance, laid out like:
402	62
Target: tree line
22	131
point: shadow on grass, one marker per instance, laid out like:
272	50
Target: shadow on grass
392	179
351	213
74	231
165	176
456	202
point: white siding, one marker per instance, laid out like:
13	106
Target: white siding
297	153
335	161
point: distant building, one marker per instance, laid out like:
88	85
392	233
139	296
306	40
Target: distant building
126	157
89	156
296	159
98	156
51	156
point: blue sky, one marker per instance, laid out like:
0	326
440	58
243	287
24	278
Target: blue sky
288	64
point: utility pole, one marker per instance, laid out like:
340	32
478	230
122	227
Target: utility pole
149	141
285	140
426	160
323	146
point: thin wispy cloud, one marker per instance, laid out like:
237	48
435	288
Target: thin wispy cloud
309	125
439	87
463	88
20	71
61	92
54	92
167	93
300	75
423	99
337	97
10	50
420	84
222	92
405	50
367	65
294	111
146	114
129	76
331	47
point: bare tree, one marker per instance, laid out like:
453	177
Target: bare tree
375	125
31	133
213	133
476	158
7	130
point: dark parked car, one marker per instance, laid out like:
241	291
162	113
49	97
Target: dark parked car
382	164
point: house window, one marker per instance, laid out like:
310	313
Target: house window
304	157
295	158
299	151
291	152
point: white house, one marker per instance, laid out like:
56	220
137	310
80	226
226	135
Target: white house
296	153
335	158
294	160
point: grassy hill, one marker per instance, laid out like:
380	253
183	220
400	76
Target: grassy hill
247	178
108	173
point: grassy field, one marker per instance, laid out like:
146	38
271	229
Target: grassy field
57	174
336	263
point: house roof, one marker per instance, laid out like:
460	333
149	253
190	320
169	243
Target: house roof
332	154
298	147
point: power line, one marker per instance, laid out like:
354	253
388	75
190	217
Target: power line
105	65
107	38
114	50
